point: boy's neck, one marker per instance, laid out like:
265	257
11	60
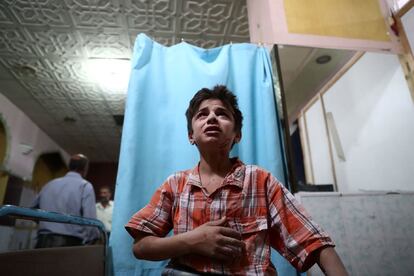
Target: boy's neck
215	164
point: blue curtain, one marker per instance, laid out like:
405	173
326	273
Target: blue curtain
154	139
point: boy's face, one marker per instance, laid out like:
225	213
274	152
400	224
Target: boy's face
213	125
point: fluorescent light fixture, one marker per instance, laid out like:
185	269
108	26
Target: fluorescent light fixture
111	75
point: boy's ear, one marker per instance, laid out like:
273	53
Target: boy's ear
190	137
237	138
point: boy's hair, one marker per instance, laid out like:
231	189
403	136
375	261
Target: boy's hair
78	163
221	93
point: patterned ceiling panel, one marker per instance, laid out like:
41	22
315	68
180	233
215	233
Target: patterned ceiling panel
95	14
68	69
151	16
51	13
5	17
206	17
44	90
45	46
92	106
57	106
20	68
112	43
81	91
14	41
239	26
56	43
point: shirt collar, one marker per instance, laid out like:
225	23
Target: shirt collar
101	206
234	177
73	173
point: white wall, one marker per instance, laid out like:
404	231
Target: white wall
21	130
363	227
374	116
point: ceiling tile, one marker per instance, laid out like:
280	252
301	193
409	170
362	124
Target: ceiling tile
6	17
14	41
89	107
113	43
238	25
95	14
68	69
81	91
44	89
62	42
58	106
41	13
151	16
27	68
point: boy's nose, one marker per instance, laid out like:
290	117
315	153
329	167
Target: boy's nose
212	117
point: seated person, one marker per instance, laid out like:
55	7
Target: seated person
226	215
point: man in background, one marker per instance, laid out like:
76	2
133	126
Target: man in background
105	207
71	195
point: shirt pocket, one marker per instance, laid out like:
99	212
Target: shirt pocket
255	236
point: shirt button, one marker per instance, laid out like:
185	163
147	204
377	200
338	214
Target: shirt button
209	200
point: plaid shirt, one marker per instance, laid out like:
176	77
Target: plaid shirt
182	204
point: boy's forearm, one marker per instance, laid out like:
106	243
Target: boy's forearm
212	240
330	263
154	248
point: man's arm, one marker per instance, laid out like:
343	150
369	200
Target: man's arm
212	240
330	263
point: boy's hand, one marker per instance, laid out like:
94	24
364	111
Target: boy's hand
215	240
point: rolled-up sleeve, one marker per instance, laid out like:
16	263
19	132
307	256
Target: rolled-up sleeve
156	217
293	233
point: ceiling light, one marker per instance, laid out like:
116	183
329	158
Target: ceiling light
111	75
323	59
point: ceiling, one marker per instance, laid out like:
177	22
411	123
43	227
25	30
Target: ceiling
46	44
303	77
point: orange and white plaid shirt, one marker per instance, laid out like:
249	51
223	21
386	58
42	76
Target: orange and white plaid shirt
182	204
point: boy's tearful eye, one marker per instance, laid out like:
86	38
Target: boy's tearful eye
222	114
200	115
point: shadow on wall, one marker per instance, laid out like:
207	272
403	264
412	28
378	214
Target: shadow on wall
47	167
14	190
